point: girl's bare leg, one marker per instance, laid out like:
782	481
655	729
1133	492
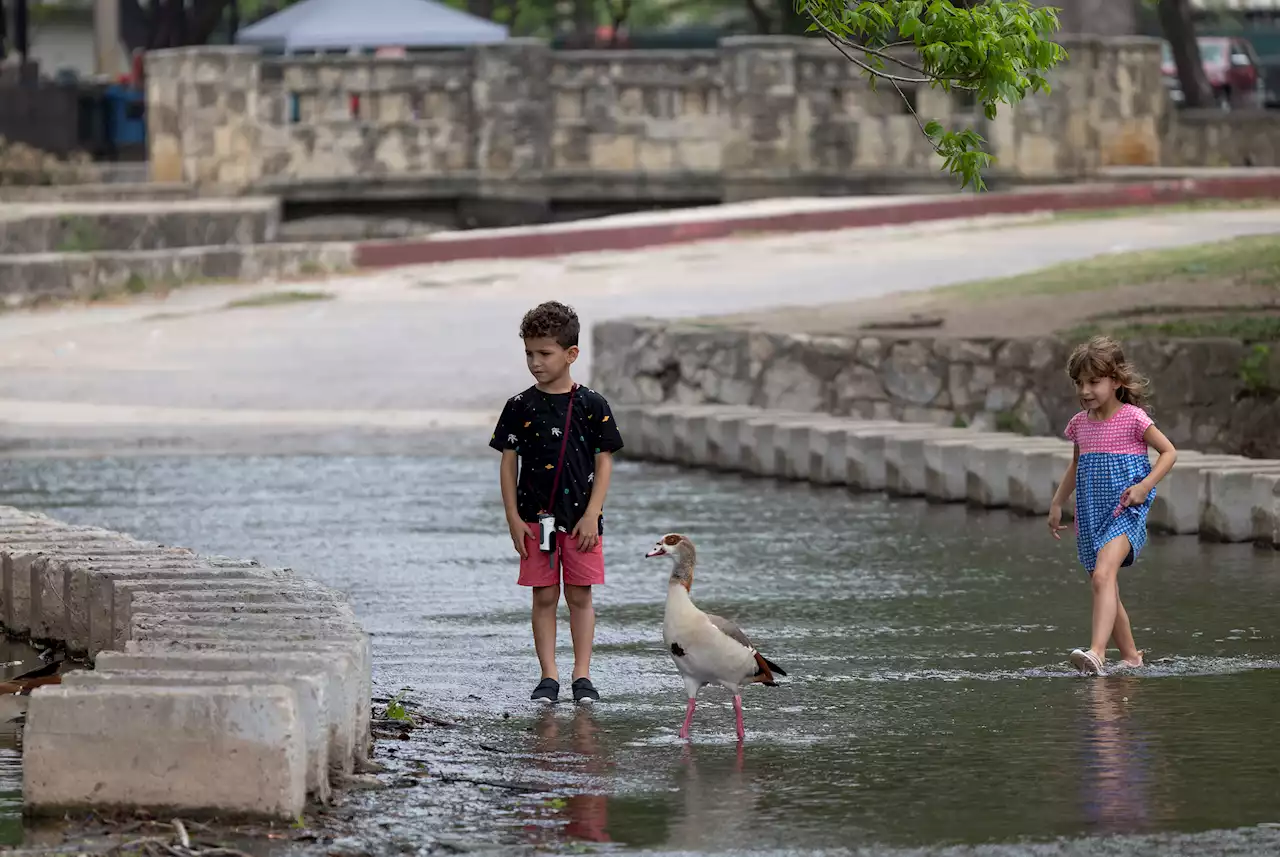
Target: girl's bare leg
1106	594
1122	636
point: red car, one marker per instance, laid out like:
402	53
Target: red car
1231	66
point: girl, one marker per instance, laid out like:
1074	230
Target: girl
1114	482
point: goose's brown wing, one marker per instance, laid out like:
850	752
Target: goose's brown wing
724	626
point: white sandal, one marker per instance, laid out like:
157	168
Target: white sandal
1086	662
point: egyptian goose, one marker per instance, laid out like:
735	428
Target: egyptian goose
707	649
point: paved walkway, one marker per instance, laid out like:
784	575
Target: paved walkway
411	348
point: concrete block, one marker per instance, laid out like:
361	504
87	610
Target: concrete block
692	441
1266	508
232	613
355	647
21	587
1180	497
628	418
1227	515
663	435
655	430
340	670
987	476
725	439
866	447
794	443
231	750
946	464
905	464
1034	476
308	688
97	606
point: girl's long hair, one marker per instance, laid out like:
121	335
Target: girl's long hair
1102	357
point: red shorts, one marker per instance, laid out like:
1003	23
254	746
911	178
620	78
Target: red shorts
581	568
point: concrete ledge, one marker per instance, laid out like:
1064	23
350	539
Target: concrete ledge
634	231
83	227
34	278
1224	497
243	689
231	749
1229	499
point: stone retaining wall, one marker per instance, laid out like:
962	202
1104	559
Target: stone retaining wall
220	687
27	280
757	116
1213	395
1221	497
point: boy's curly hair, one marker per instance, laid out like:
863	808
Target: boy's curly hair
1102	357
552	320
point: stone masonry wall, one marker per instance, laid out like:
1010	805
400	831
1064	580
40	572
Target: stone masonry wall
1212	138
1212	395
757	116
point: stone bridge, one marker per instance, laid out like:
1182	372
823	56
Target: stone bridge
519	131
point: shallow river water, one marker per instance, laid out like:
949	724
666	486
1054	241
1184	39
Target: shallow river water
927	708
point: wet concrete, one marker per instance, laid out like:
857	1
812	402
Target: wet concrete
928	707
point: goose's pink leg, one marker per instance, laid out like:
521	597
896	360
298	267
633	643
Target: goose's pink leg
688	719
737	710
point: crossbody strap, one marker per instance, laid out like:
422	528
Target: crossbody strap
564	445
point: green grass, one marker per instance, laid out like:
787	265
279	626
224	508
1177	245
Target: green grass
1247	328
279	298
1253	260
1178	208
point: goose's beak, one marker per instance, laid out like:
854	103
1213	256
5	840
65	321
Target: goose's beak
657	551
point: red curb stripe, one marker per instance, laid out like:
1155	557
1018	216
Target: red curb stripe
477	245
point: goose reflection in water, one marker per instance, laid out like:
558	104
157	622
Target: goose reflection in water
1118	757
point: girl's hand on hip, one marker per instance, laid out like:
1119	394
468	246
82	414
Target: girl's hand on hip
1055	521
1134	495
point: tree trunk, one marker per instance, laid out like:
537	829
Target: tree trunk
1180	31
584	23
763	20
481	8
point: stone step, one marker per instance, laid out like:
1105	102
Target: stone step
125	191
239	748
90	227
232	688
31	279
1222	497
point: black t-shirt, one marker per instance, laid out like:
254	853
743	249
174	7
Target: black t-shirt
532	423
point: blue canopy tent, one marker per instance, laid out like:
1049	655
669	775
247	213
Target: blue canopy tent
340	25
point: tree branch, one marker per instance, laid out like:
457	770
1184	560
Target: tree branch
840	43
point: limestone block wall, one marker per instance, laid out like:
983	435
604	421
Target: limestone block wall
757	116
1211	395
220	687
1212	138
350	116
655	112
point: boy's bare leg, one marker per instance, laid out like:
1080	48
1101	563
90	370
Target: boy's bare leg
546	600
582	626
1122	635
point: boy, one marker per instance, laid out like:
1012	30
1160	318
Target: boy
564	436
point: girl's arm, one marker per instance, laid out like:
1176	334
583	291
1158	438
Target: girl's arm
1065	487
1137	495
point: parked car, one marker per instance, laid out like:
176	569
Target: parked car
1231	66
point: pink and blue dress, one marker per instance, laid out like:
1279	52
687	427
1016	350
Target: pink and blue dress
1113	457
